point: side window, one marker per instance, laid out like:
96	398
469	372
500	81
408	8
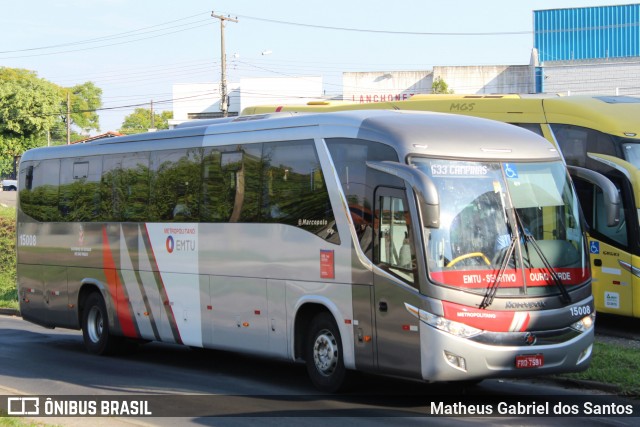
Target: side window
358	181
394	248
231	184
125	187
575	142
592	204
617	233
533	127
294	190
176	185
79	188
39	194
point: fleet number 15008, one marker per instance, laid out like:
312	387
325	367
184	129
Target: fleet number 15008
581	311
27	240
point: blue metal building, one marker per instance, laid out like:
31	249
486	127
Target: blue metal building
587	37
587	33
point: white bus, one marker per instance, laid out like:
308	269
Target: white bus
424	245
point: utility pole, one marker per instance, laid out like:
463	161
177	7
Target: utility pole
153	124
224	98
68	118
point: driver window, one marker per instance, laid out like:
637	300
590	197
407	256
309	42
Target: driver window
395	250
617	233
593	205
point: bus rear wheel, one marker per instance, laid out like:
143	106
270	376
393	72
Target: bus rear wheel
95	327
324	355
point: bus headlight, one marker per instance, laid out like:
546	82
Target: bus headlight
585	323
449	326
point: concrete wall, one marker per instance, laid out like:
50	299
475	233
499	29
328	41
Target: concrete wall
620	77
487	78
398	85
380	86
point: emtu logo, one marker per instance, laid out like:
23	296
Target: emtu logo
171	244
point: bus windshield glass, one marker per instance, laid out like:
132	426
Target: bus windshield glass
506	228
631	149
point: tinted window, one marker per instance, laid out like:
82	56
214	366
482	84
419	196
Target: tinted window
294	190
575	142
358	181
231	184
125	187
80	188
39	197
593	207
394	241
176	185
533	127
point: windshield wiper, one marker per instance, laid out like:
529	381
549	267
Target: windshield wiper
528	237
492	289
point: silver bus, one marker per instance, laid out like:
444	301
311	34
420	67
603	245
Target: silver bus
423	245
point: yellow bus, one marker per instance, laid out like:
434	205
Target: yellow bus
601	133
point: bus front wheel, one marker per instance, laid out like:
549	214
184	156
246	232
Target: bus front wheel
95	326
324	355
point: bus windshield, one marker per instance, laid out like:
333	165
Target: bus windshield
506	228
631	149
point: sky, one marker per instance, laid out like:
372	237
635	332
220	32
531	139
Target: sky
135	50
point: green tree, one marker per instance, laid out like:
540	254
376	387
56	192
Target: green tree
440	86
29	108
28	105
140	121
85	100
33	112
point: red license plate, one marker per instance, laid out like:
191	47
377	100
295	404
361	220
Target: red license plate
529	361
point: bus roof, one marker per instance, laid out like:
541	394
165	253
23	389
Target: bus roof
615	115
435	134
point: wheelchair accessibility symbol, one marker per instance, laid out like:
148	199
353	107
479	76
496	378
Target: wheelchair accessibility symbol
510	170
594	247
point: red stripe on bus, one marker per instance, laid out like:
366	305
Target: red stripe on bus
169	308
116	289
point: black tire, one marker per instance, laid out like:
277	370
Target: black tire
95	327
324	355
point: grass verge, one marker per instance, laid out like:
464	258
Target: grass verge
614	365
19	422
8	293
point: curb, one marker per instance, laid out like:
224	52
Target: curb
9	312
583	384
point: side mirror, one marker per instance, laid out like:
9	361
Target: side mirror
610	191
426	192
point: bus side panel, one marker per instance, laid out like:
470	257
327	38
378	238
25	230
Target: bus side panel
31	294
44	296
397	331
364	334
635	286
240	314
56	297
612	284
277	328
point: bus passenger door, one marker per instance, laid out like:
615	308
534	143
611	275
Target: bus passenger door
395	283
610	248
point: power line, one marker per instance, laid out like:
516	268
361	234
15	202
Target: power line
104	38
363	30
108	45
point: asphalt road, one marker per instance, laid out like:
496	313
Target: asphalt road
242	390
8	198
